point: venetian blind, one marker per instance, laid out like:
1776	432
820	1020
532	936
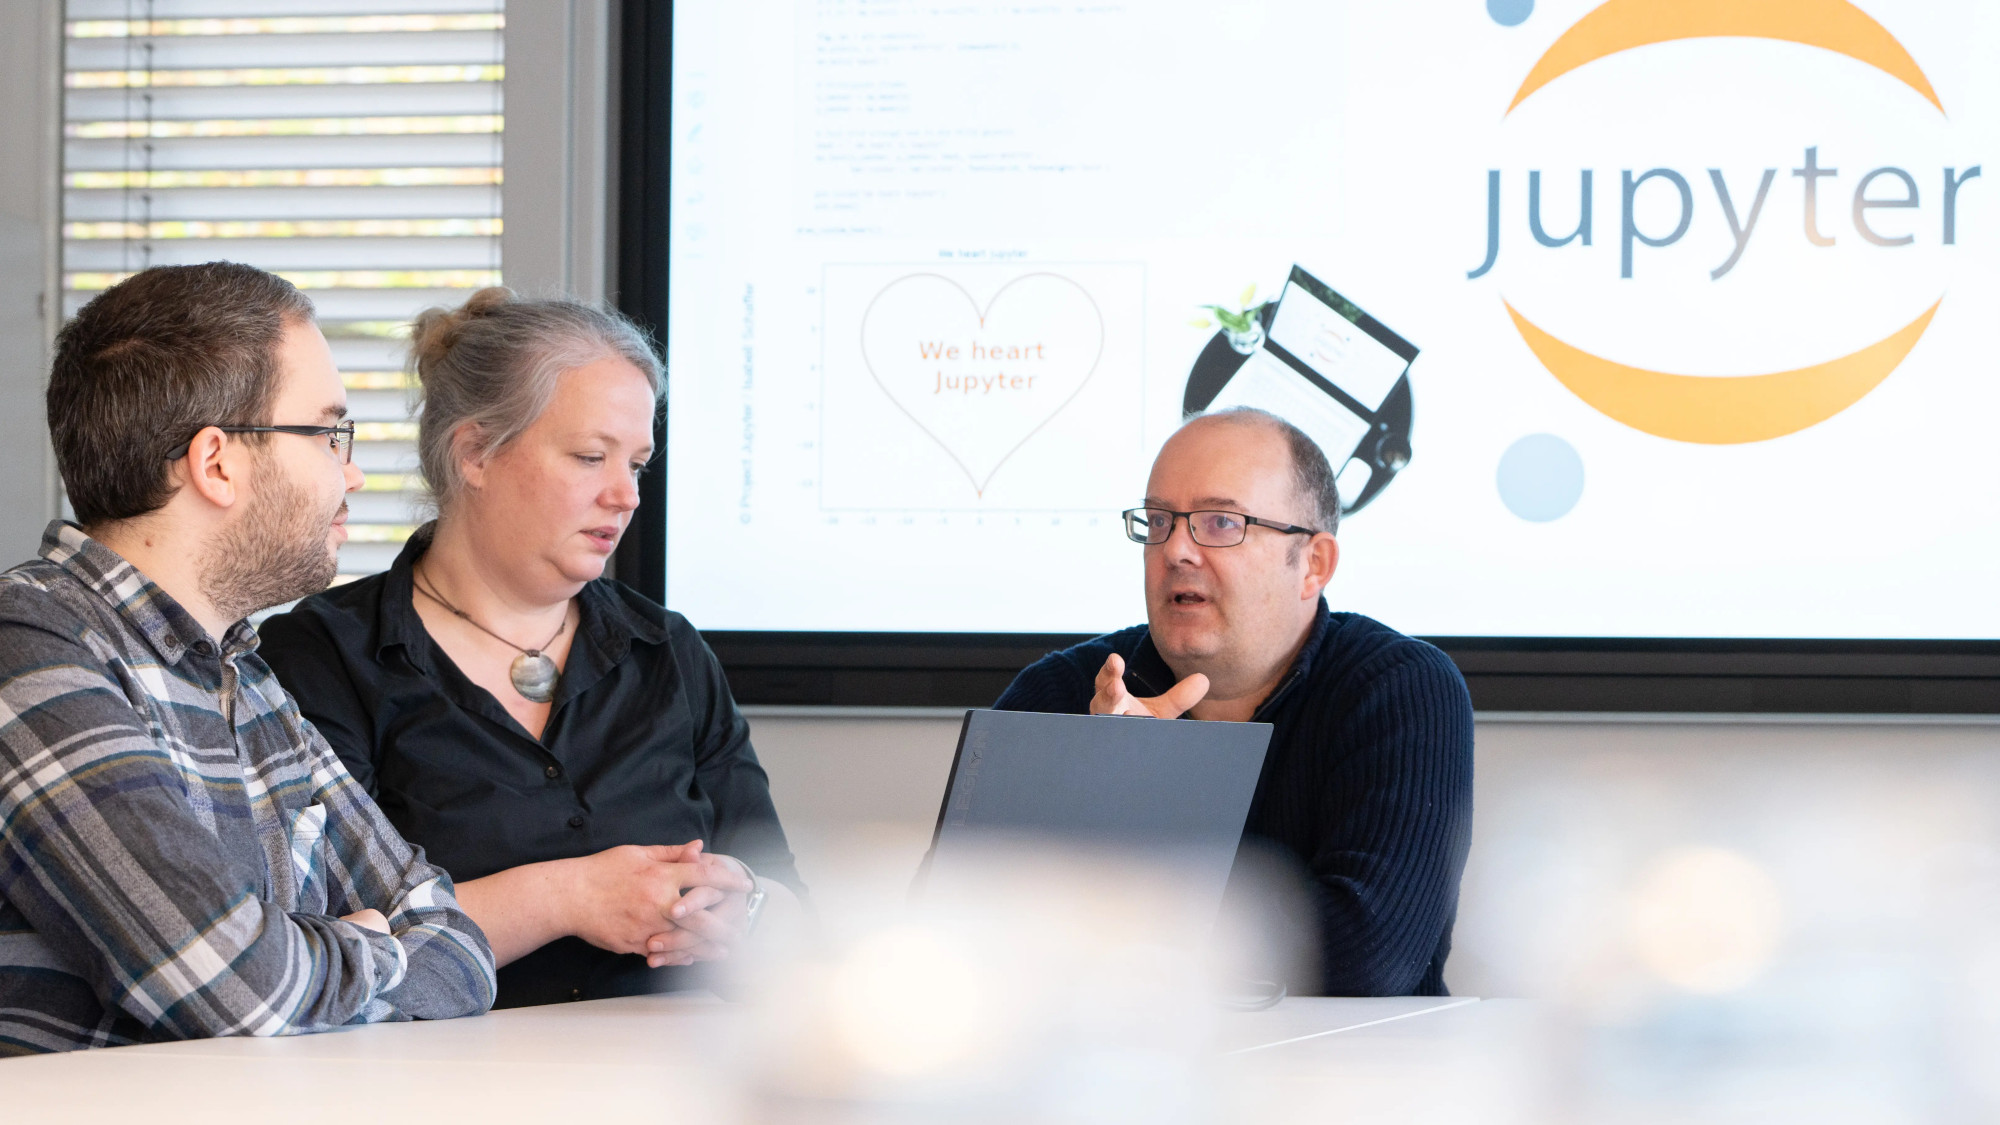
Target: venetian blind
352	146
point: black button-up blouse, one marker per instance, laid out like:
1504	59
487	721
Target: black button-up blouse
644	745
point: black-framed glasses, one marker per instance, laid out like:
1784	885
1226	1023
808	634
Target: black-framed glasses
340	438
1154	526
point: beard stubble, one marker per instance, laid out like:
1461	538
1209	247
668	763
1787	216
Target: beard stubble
274	553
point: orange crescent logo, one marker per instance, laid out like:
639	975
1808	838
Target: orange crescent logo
1721	410
1621	25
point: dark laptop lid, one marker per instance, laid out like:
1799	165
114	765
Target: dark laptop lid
1178	789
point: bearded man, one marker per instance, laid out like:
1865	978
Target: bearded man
181	855
1367	787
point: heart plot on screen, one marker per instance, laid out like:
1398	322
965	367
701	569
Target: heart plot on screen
955	380
981	381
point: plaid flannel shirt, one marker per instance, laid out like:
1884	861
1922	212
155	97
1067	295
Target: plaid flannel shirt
177	843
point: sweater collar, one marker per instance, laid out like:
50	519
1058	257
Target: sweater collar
1147	673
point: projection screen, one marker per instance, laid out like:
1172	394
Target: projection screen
1642	319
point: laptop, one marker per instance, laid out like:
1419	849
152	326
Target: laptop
1335	372
1171	789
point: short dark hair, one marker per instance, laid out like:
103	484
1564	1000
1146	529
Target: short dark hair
148	363
1312	474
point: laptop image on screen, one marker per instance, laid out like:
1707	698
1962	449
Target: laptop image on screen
1333	371
1178	789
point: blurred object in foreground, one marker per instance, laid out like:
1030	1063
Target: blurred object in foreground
1706	920
1041	985
1810	933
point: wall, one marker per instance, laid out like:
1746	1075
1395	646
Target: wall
30	36
1873	833
559	114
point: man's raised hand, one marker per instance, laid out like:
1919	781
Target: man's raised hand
1113	699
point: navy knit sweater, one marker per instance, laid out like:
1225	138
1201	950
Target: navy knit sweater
1368	786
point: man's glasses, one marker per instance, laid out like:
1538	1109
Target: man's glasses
339	438
1154	526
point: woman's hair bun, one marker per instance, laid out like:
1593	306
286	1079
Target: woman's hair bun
488	368
488	299
436	330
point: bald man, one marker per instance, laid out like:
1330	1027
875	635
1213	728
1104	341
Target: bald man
1367	788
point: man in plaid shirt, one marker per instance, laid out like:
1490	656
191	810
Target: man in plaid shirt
181	854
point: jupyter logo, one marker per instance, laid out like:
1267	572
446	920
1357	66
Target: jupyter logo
1758	405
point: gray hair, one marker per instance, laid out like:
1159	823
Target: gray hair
493	364
1312	475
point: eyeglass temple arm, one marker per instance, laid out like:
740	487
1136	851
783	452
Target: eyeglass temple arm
1287	528
338	434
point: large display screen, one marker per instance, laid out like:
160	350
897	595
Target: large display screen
1644	318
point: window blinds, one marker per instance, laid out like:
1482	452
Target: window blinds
352	146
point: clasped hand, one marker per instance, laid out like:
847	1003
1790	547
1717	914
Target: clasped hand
674	903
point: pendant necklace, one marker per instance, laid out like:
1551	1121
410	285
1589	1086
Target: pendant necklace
533	673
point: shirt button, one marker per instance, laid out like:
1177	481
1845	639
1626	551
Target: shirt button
552	772
576	994
576	821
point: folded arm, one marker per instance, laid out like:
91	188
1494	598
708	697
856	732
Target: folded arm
113	844
449	961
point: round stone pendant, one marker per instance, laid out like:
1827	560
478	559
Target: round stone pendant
534	676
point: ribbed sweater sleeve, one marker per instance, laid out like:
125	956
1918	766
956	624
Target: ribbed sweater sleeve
1393	826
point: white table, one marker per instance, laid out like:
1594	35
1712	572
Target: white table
651	1058
1410	1061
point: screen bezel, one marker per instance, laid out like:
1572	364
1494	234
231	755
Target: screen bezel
1513	674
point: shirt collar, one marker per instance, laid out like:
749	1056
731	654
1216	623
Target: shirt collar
396	621
605	621
149	610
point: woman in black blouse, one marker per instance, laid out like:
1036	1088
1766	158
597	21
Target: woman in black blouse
567	749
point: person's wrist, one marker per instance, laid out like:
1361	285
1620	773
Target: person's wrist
565	889
743	869
754	899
